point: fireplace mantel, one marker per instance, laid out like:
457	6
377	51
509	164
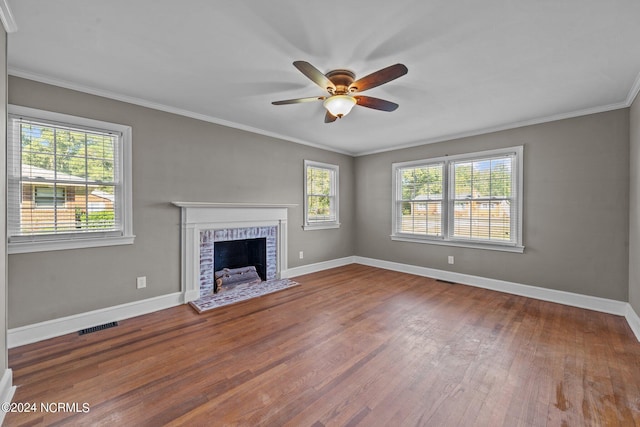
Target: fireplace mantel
200	216
232	205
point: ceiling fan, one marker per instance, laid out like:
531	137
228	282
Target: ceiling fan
342	87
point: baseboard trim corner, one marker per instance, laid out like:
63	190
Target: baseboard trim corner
7	389
56	327
633	320
316	267
191	296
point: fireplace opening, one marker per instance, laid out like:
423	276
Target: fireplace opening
241	253
224	249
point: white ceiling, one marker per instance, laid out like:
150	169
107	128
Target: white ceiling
473	66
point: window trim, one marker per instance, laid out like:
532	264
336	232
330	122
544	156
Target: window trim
62	241
335	184
447	238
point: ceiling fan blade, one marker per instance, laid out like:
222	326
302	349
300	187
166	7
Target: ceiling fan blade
378	78
329	118
299	100
315	75
376	103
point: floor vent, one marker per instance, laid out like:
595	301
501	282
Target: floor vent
97	328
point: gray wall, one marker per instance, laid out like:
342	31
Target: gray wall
174	158
634	211
576	214
576	209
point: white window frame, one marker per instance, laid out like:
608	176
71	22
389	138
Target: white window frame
71	240
447	238
323	224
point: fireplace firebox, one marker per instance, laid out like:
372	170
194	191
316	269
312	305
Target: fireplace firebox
242	253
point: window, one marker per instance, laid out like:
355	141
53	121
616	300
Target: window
320	196
420	199
49	197
68	182
472	200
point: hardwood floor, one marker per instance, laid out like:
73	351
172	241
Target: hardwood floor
354	345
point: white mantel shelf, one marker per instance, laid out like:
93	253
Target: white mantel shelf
232	205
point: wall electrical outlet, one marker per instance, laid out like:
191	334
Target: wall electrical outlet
141	282
301	254
450	259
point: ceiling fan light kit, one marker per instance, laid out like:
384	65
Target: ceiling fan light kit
340	84
339	105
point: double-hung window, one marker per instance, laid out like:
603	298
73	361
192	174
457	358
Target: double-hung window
68	180
472	200
320	196
420	199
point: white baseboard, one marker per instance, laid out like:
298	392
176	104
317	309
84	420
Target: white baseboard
7	389
191	295
633	320
65	325
567	298
319	266
53	328
603	305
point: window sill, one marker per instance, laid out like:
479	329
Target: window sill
458	243
57	245
309	227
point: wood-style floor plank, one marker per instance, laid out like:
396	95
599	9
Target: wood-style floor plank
355	345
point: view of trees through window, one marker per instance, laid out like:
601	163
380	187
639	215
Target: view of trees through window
422	188
479	202
75	165
320	194
482	199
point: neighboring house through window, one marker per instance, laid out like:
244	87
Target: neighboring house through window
320	196
69	182
49	197
472	200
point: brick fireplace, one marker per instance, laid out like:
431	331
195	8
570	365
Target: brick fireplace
265	238
204	224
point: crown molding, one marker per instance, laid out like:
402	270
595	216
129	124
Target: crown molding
633	92
162	107
6	16
507	126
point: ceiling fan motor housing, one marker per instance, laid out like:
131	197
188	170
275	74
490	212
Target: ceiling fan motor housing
342	79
